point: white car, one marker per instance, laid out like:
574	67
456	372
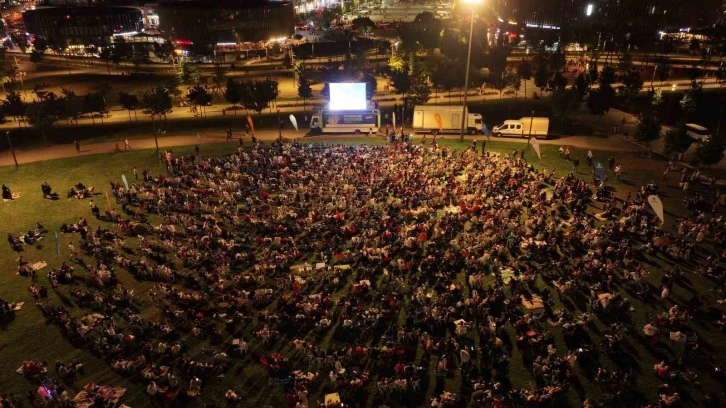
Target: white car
698	132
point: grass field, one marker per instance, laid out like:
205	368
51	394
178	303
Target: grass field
29	337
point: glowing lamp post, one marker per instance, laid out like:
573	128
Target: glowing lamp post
464	115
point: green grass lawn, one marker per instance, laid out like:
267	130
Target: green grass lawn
29	337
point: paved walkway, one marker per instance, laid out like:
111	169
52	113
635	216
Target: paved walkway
602	143
69	150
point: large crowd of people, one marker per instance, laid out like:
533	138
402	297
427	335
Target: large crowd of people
371	272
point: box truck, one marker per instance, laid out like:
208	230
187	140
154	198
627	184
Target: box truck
521	127
444	119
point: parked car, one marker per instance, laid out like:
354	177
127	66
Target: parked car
698	132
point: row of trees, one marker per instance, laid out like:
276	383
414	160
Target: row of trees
255	95
48	108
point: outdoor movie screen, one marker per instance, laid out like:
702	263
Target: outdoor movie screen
348	96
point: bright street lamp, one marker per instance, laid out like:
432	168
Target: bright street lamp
468	63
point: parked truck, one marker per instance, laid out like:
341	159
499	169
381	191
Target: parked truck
444	119
523	127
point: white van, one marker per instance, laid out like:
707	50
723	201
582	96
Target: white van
698	132
523	127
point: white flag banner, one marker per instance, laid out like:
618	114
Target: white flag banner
657	206
126	183
394	120
293	121
535	145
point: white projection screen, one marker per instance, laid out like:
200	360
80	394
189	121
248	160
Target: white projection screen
348	96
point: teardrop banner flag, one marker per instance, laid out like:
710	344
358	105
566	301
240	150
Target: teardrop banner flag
252	125
108	201
57	244
126	183
439	123
486	132
394	120
535	145
600	171
657	205
294	122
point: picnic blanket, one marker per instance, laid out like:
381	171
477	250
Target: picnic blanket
15	197
18	306
85	399
38	265
534	303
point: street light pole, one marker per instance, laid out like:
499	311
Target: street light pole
466	77
12	150
20	74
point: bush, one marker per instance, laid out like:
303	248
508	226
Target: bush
676	140
648	129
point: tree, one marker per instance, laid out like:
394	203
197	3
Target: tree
397	62
164	51
187	74
363	24
607	76
257	95
95	102
72	106
400	81
541	77
721	76
106	54
593	74
200	97
36	57
695	46
130	102
626	63
156	102
304	90
557	82
711	152
14	106
663	69
688	105
514	81
524	70
369	78
557	59
172	86
676	140
694	72
656	99
219	75
287	61
600	100
647	128
420	93
499	82
41	116
563	102
40	90
233	93
632	83
582	85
